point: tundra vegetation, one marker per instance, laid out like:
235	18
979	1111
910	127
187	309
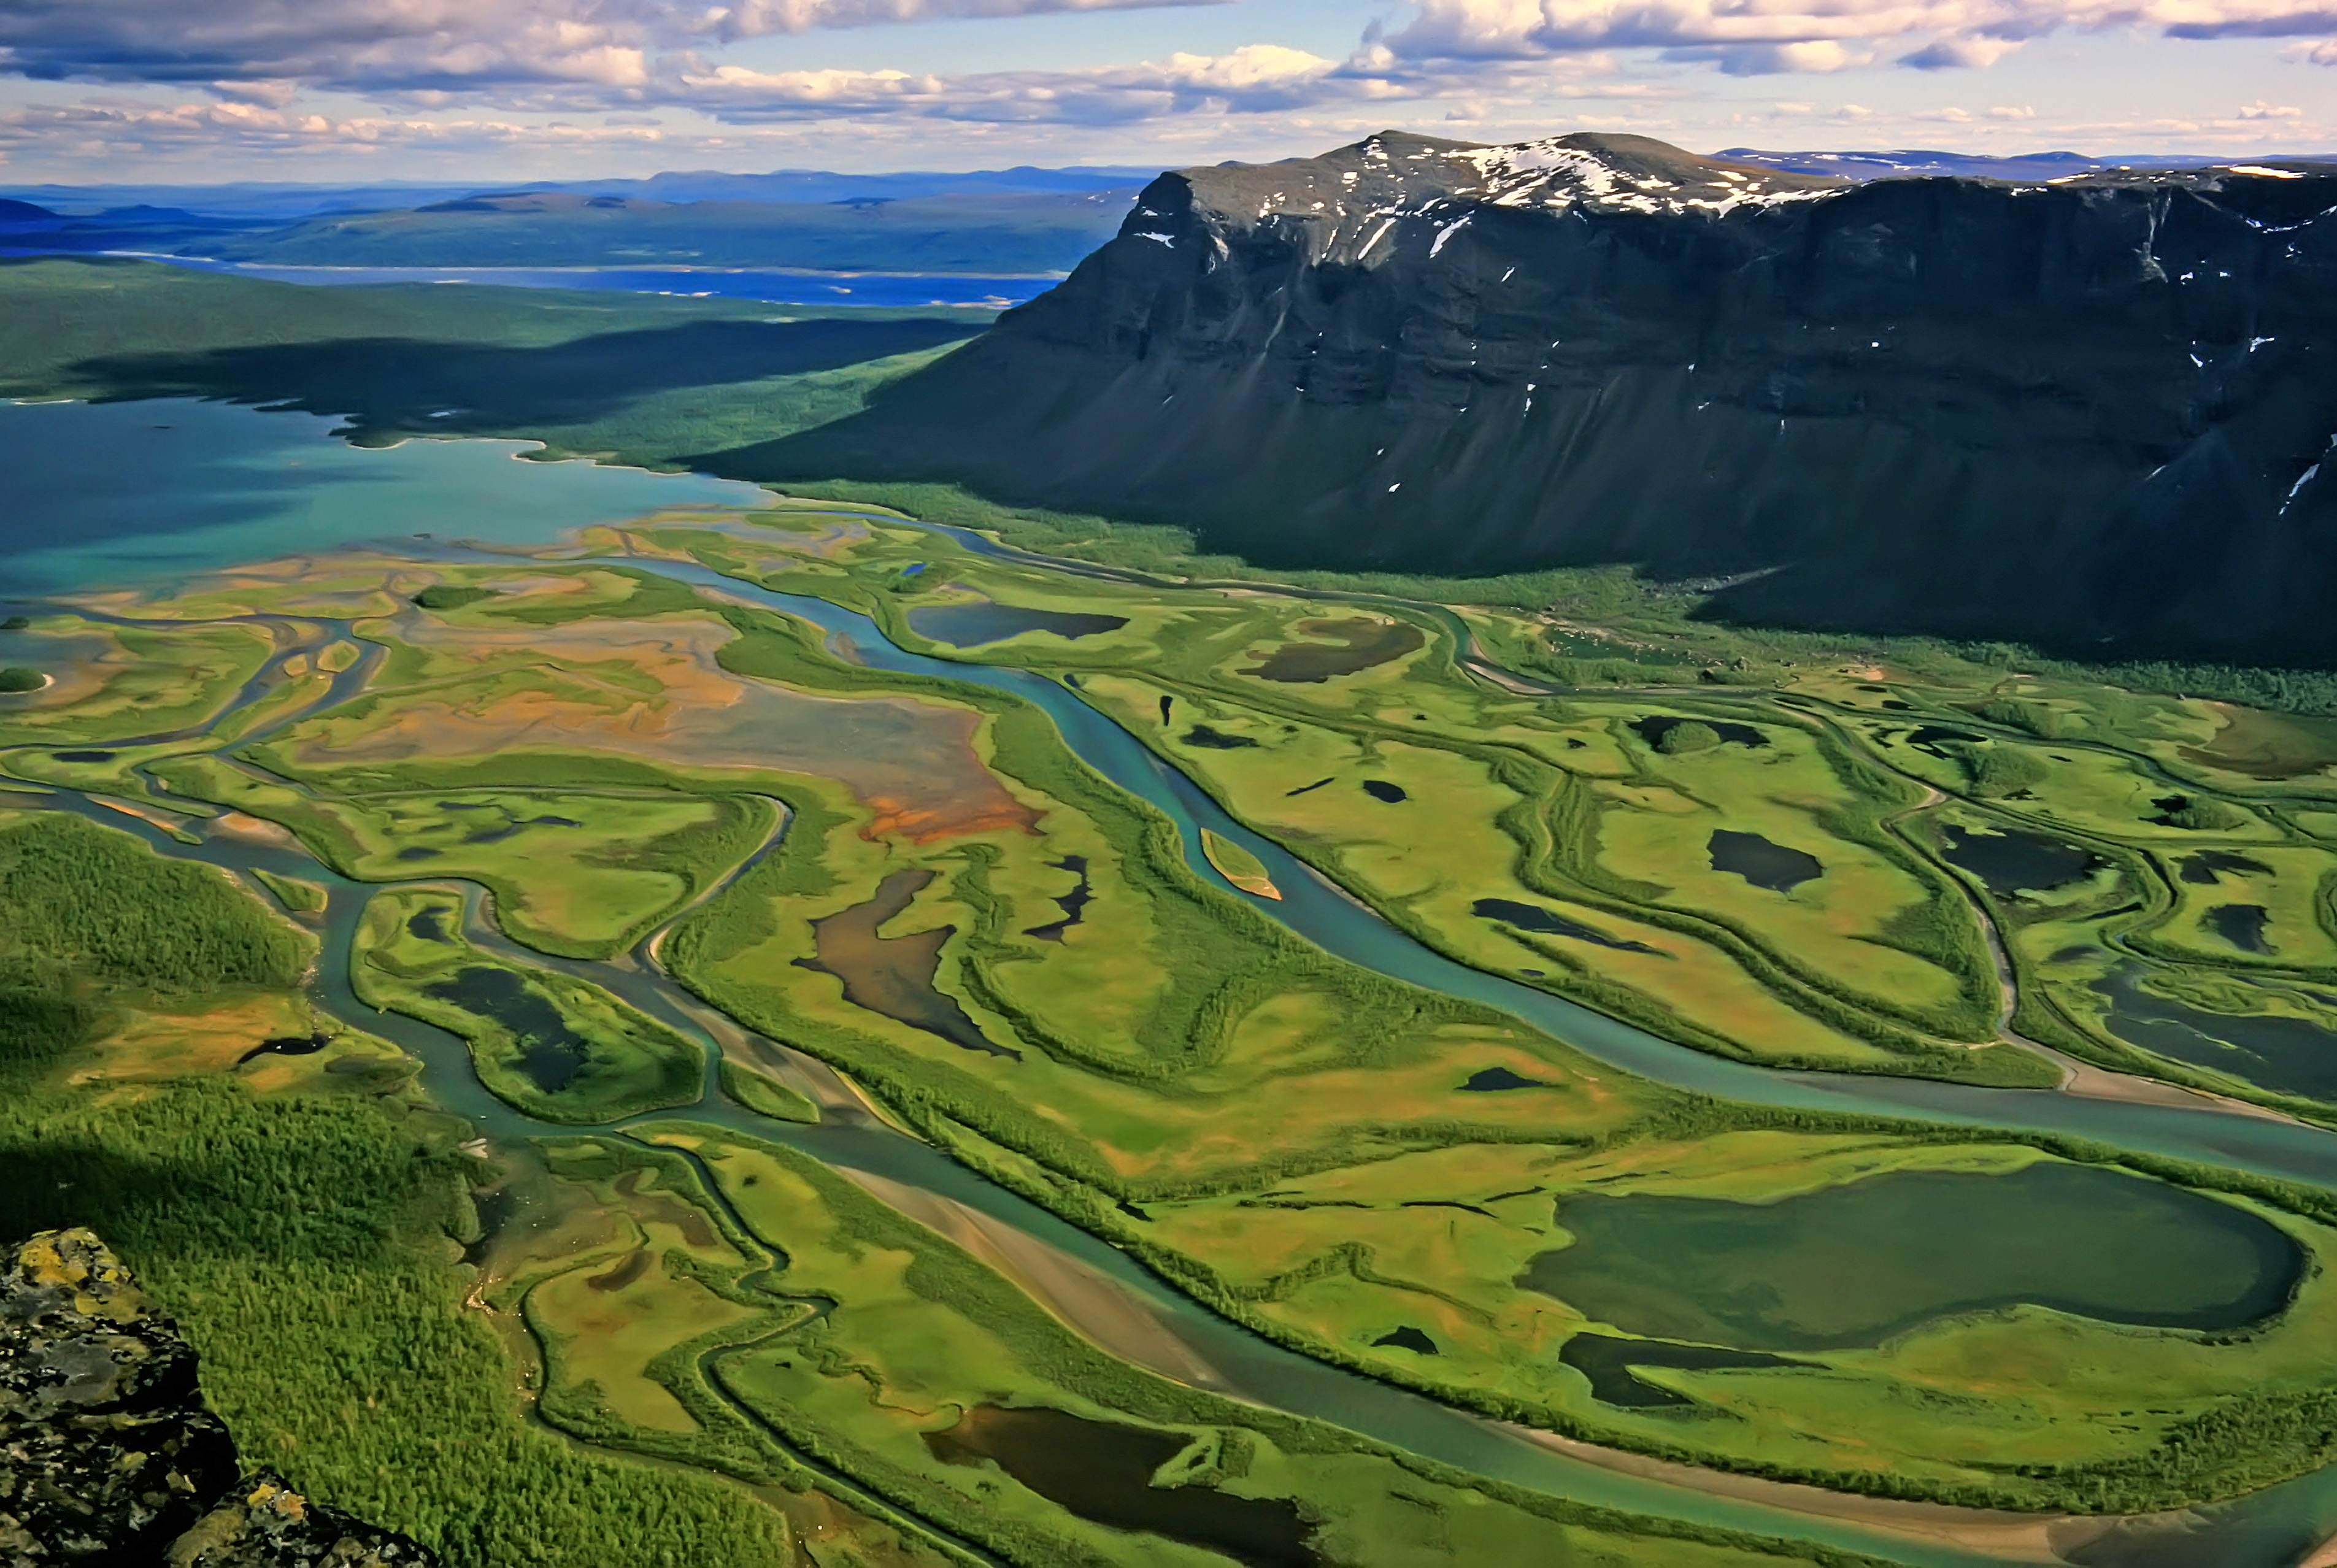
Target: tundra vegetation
561	778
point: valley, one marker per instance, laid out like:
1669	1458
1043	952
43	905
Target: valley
1741	994
1336	1000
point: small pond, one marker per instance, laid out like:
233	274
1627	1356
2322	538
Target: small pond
2205	868
1607	1361
1765	864
986	620
1379	789
552	1054
2242	925
1074	903
2011	862
1852	1265
287	1046
1495	1080
1102	1472
2287	1056
1930	738
1407	1338
895	975
1549	923
1351	645
1215	739
1653	728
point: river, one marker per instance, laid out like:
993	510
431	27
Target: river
2270	1530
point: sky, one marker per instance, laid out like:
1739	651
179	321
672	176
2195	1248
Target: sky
194	92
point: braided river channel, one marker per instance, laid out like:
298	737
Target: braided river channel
237	497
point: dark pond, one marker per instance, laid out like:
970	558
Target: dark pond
1070	903
84	756
2286	1056
1308	789
1352	645
1608	1361
633	1265
1852	1265
1102	1472
2242	925
551	1053
1166	704
1407	1338
895	975
1654	727
2202	869
1931	737
1493	1080
1202	734
986	620
1763	865
1549	922
497	835
423	923
287	1046
417	853
2011	861
1379	789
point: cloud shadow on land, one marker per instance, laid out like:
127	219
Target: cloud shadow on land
391	388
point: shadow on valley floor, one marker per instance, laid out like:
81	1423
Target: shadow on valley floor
392	388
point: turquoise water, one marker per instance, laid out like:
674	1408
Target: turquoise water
105	495
259	485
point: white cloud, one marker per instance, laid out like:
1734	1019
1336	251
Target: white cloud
1255	78
109	131
423	46
1745	36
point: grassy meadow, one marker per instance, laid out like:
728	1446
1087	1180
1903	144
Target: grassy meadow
914	882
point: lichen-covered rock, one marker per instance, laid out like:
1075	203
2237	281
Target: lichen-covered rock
108	1455
106	1452
264	1523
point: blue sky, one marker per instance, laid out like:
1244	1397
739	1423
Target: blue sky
94	91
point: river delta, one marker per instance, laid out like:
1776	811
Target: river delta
897	1069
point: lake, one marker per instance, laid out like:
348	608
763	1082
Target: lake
104	495
985	621
776	284
1855	1264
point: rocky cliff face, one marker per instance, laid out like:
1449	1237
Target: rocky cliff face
2091	413
108	1456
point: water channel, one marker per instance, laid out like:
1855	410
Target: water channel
2272	1529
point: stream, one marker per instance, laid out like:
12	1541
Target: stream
2272	1529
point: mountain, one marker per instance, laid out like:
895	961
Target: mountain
969	231
2025	168
813	185
287	203
108	1453
2090	414
20	214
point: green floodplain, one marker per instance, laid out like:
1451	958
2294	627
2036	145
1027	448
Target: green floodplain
671	873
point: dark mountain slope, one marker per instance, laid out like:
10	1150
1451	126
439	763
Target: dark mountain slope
2086	414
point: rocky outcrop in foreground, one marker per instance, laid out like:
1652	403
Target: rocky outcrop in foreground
108	1456
2094	411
